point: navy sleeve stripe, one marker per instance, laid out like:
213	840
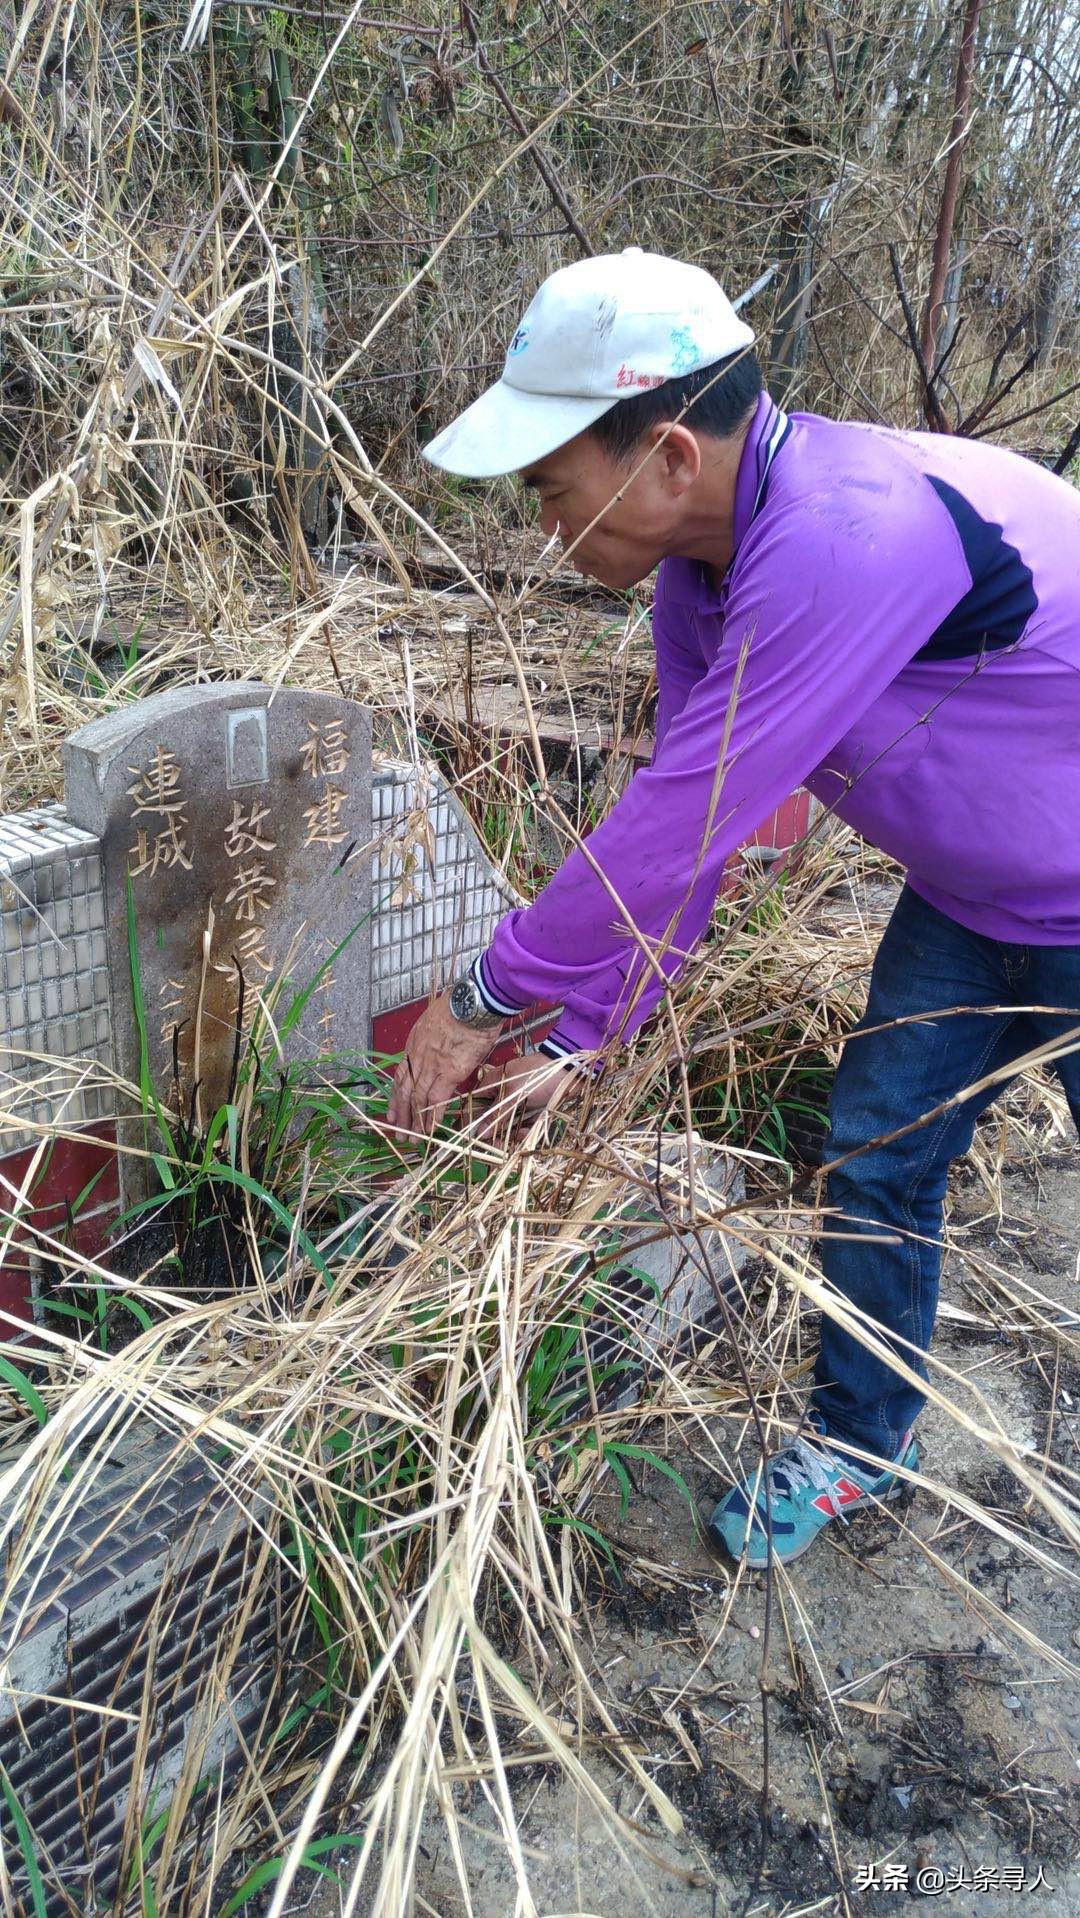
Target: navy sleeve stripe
995	610
556	1047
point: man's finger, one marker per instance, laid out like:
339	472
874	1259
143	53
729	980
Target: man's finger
513	1092
489	1079
428	1105
498	1111
400	1114
531	1077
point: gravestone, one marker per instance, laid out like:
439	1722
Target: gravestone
235	830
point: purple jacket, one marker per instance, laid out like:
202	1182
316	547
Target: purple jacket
899	630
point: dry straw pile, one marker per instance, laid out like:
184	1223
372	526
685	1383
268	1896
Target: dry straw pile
247	260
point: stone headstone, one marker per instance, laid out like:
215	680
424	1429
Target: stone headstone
238	823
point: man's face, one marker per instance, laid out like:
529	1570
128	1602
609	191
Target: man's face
637	505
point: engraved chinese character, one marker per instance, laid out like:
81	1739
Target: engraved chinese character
243	834
156	794
165	849
251	891
323	819
157	786
327	749
251	949
171	993
326	1016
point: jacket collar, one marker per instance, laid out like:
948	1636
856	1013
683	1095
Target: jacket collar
686	581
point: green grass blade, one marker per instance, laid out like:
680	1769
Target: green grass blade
227	1175
262	1875
68	1311
296	1009
300	1712
164	1170
26	1846
651	1458
137	1310
28	1392
572	1524
80	1200
616	1465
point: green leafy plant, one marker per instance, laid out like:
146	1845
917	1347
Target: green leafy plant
256	1149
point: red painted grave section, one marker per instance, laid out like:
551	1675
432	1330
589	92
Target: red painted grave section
787	825
66	1169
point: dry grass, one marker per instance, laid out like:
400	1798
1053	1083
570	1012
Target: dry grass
172	415
448	1544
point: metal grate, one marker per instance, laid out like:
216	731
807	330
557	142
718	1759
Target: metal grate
129	1602
437	897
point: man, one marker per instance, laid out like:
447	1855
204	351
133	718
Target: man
891	619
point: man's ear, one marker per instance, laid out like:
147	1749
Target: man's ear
677	455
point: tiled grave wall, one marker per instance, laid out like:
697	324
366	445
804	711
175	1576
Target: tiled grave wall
55	977
436	893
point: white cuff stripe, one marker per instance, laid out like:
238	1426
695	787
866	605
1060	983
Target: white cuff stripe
556	1048
492	1002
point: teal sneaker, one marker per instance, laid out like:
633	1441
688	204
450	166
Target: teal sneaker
808	1486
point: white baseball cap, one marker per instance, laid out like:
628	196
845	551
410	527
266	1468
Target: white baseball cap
596	332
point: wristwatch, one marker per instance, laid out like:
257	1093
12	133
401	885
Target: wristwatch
468	1007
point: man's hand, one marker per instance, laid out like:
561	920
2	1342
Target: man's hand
440	1055
520	1088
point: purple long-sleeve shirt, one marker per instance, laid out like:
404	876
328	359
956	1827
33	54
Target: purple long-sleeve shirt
898	630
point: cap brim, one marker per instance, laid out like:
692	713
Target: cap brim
506	430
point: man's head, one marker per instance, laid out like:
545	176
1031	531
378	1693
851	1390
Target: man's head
625	397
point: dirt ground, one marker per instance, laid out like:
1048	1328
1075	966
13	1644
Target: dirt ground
908	1730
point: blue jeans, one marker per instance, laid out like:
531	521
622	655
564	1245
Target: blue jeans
888	1079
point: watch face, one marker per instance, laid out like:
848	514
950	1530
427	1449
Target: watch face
464	1000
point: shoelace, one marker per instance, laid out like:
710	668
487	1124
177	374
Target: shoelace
801	1465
